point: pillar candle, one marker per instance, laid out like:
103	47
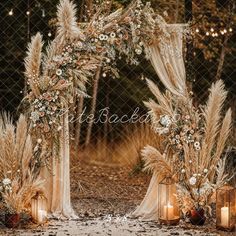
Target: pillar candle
168	212
224	216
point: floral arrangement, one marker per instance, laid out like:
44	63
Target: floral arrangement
194	140
19	166
58	77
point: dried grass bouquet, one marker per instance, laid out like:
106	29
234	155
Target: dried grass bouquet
19	167
194	140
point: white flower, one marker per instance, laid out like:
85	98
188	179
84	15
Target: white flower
39	140
59	72
196	144
6	181
113	35
205	171
34	116
101	37
192	180
138	51
165	120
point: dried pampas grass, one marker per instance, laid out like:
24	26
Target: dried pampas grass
33	62
212	116
156	162
16	162
67	21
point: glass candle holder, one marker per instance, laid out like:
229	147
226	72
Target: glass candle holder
225	208
168	207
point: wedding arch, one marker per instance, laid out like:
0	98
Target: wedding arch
58	77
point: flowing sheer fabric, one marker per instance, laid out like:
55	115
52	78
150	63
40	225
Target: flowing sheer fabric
167	59
57	186
166	56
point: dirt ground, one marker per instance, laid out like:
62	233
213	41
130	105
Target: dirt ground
102	197
100	189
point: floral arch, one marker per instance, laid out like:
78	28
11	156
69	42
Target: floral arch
58	77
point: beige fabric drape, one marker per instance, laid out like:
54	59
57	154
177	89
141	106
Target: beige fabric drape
167	59
166	56
57	186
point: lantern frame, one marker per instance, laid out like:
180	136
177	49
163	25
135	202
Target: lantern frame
226	208
168	208
39	209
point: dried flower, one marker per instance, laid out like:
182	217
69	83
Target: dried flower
112	34
39	140
165	120
58	72
192	180
6	181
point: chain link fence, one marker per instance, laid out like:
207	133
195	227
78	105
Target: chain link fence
123	96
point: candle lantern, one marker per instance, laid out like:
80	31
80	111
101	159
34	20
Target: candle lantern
39	208
167	202
225	208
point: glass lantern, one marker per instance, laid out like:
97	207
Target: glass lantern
168	207
225	208
39	208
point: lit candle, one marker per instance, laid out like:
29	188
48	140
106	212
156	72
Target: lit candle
224	216
41	216
168	212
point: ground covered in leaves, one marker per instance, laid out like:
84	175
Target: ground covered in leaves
103	195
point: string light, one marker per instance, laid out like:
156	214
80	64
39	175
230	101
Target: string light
207	33
230	29
43	13
10	13
27	13
49	34
225	30
212	30
197	30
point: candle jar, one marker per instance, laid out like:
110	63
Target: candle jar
167	202
39	208
225	208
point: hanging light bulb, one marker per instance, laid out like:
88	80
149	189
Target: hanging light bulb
197	30
49	34
43	13
213	35
225	31
10	13
27	13
216	34
230	29
212	30
207	33
222	32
